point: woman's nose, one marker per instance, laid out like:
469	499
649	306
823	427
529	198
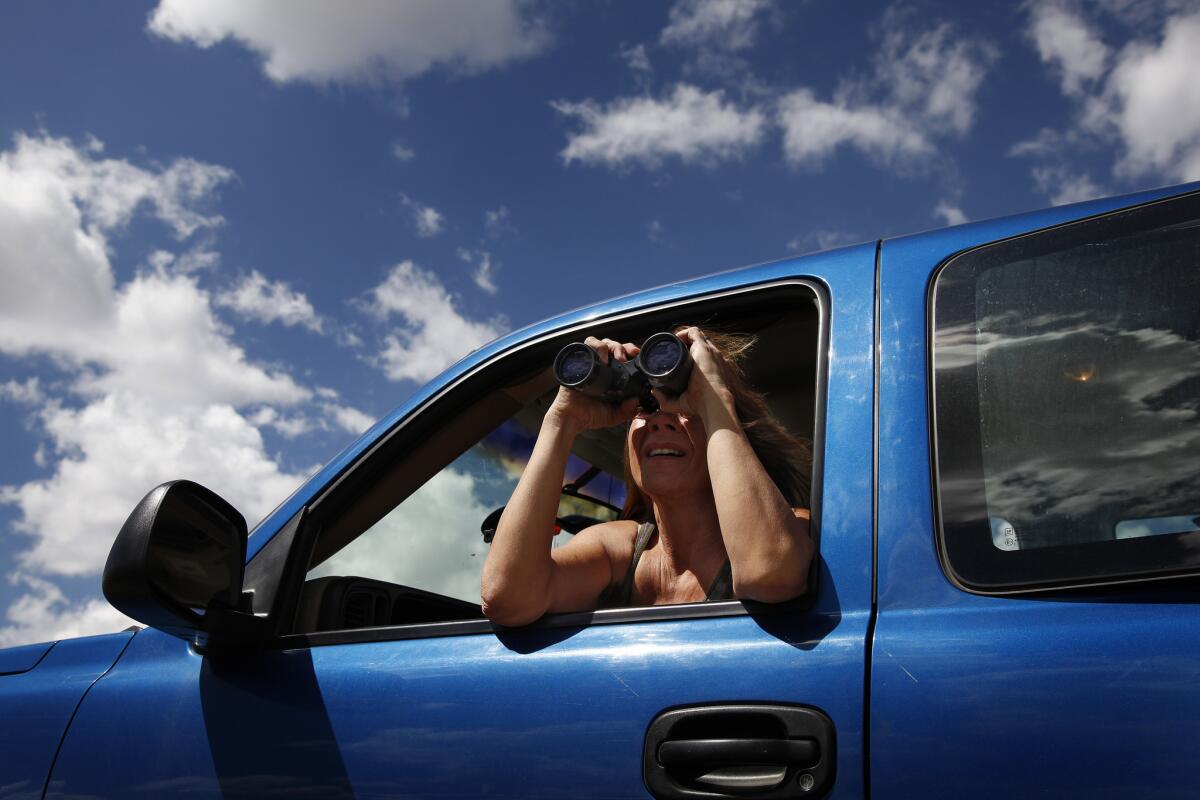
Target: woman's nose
663	421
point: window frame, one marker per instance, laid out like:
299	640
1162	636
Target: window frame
1044	241
434	413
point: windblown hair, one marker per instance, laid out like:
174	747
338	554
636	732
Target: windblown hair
785	456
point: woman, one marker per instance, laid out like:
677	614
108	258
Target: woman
715	504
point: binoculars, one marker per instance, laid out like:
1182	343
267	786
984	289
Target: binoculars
663	363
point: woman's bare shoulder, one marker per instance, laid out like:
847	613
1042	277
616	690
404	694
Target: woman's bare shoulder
615	537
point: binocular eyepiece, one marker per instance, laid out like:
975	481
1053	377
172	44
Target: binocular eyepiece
663	363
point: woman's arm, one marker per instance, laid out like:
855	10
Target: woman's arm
767	540
522	577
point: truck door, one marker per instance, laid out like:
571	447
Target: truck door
385	681
1037	633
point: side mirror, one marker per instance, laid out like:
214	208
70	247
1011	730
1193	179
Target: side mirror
177	566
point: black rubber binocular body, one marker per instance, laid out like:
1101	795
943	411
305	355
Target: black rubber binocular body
663	363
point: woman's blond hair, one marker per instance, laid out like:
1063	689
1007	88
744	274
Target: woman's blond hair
785	456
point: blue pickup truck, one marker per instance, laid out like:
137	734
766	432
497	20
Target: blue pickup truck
1005	419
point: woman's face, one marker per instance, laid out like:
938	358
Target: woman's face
667	454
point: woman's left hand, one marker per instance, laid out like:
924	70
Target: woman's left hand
707	390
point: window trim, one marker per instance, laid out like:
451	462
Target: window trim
306	537
1146	216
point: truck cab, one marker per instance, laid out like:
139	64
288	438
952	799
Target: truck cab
1005	501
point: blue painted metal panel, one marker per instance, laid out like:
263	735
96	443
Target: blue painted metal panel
36	705
1000	696
556	713
23	658
552	712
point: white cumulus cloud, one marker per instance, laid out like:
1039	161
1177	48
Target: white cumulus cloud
115	449
44	613
153	385
1153	96
322	42
254	297
1137	100
689	124
1070	43
434	333
813	129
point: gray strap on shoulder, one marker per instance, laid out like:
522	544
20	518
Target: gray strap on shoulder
624	590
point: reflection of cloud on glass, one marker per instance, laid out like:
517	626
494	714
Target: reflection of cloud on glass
1089	424
510	445
962	345
1164	360
430	541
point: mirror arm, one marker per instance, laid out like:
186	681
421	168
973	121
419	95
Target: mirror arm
227	628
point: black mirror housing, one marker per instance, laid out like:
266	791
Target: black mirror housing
177	563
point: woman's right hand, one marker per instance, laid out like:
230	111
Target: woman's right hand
580	412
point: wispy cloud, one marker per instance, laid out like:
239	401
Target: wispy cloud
721	24
924	90
483	270
821	240
497	222
949	213
427	219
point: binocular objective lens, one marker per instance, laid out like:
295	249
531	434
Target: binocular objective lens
662	356
575	365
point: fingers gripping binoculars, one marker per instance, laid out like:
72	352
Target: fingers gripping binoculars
663	363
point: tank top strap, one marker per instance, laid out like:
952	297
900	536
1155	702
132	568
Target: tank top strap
618	595
722	585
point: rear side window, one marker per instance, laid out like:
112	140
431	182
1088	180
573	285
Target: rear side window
1066	403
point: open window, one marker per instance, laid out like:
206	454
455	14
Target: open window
400	540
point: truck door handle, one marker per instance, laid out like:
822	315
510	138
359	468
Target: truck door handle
739	763
704	752
743	750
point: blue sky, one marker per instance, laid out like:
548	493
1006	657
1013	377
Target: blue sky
232	234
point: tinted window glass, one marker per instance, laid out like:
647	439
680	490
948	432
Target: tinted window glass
1067	402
